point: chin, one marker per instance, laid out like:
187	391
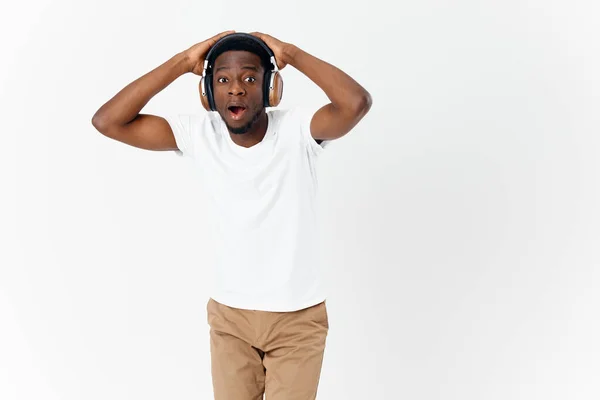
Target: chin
240	130
241	127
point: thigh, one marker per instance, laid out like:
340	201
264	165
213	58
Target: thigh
295	355
236	366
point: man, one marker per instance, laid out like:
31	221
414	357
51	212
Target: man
267	315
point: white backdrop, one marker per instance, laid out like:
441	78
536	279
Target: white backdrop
460	217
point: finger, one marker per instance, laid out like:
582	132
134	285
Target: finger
211	42
225	33
258	35
220	35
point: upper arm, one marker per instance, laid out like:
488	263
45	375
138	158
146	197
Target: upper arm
149	132
330	122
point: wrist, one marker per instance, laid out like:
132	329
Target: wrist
289	54
184	61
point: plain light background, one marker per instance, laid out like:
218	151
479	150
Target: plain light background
460	217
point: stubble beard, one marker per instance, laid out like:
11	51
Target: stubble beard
245	128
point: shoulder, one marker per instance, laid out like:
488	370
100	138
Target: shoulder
194	123
292	119
191	130
297	120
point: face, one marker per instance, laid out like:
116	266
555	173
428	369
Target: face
237	88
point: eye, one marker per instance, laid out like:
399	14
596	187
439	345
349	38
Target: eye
221	80
251	79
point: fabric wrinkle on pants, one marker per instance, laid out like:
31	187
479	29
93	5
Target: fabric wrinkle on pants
278	354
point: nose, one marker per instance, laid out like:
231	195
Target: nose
236	89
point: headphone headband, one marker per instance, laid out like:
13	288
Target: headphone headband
233	37
272	86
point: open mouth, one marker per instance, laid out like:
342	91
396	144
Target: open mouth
236	111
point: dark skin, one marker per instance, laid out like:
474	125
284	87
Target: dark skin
349	101
238	81
121	119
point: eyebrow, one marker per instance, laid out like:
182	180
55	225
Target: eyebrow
250	67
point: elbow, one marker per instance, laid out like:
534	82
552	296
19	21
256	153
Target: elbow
363	104
366	101
98	122
103	124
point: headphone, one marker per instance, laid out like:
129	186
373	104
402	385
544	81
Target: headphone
272	81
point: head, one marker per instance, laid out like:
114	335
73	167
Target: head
238	82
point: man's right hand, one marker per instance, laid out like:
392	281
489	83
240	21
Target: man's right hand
120	118
197	53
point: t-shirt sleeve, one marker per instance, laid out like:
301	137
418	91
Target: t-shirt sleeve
185	128
304	116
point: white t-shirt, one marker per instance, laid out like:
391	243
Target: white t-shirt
265	205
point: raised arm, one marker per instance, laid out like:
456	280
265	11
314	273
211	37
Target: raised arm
120	117
350	102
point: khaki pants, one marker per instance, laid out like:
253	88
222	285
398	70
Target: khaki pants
278	354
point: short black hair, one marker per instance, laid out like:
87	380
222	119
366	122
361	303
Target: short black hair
242	44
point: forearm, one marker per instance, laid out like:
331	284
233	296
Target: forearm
342	90
127	103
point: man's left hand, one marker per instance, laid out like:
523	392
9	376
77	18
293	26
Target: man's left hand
279	48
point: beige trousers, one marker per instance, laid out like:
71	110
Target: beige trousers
278	354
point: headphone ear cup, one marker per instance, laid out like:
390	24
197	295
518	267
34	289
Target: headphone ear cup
209	92
203	98
275	94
